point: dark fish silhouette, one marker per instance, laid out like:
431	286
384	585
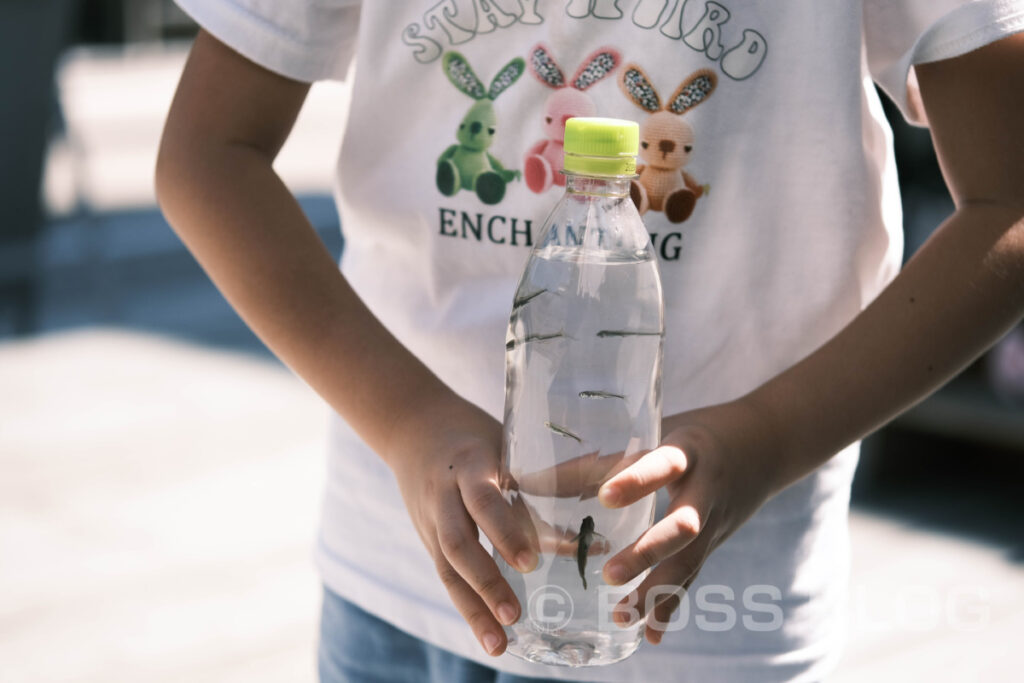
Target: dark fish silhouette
629	333
526	298
585	538
532	338
600	394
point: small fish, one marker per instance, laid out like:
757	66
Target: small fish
526	298
628	333
585	538
509	345
562	431
542	337
600	394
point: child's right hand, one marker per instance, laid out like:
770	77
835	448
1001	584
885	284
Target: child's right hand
446	457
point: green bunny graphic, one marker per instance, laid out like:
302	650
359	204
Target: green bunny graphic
468	165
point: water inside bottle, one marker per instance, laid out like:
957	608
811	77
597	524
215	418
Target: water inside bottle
583	357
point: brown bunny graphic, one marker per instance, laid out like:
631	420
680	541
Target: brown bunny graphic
666	142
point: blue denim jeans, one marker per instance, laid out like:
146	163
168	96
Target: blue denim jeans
357	647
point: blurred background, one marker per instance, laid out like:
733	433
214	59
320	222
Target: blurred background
160	471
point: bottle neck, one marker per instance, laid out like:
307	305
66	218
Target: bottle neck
597	186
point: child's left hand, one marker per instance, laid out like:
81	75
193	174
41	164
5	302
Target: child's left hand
717	466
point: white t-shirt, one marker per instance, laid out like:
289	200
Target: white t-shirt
797	227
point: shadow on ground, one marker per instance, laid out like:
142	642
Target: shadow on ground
948	485
128	269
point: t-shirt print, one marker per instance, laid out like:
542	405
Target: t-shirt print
667	183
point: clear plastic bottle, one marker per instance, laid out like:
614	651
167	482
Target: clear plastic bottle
582	400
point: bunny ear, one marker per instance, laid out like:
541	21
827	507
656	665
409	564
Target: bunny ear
544	67
458	71
595	67
693	91
508	75
638	88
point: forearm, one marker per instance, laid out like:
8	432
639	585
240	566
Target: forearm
249	234
956	297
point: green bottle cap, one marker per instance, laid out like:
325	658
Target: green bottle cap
602	147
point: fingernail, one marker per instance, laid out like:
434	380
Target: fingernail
506	613
616	573
526	561
490	642
609	496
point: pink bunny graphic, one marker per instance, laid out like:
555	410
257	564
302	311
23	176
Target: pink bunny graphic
544	159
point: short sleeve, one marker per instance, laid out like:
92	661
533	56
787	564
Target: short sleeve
307	40
901	33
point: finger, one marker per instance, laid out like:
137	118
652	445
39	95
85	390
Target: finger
655	469
566	479
680	526
658	619
543	537
665	580
474	610
496	517
458	540
579	477
527	518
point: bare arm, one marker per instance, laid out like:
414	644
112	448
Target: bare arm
218	189
954	299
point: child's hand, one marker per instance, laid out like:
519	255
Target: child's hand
715	463
446	459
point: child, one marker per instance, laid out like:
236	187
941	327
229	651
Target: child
789	334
